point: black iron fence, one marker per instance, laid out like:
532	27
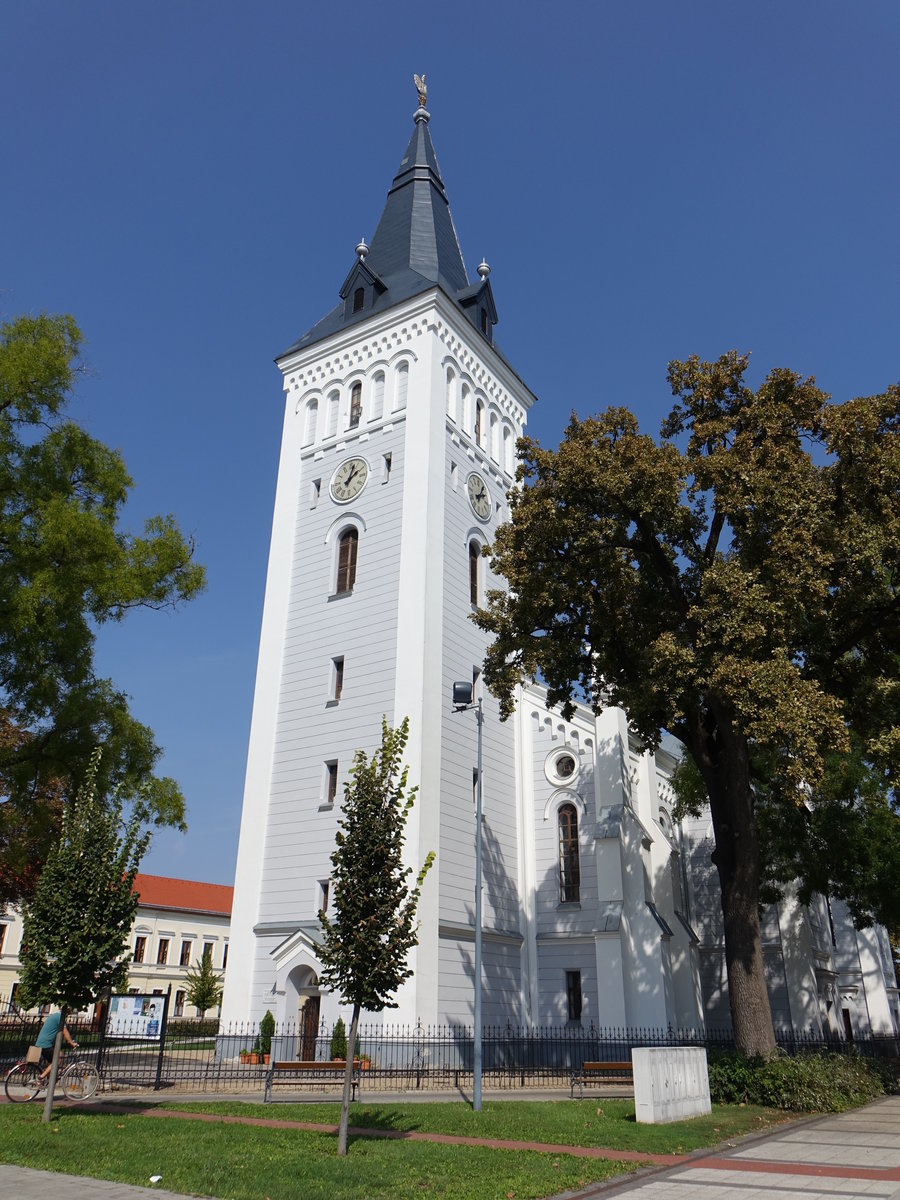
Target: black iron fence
206	1056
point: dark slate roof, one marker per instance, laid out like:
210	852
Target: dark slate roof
414	247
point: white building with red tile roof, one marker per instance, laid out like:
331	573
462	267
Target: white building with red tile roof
177	922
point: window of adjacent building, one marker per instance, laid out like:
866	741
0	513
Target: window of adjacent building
377	397
2	937
224	956
157	991
162	952
355	405
573	995
569	869
140	949
331	779
474	560
185	959
337	677
207	951
347	550
359	299
12	996
179	1004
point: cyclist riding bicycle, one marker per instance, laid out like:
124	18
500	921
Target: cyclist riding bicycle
46	1039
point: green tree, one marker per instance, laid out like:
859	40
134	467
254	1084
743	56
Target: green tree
77	923
203	985
365	948
66	568
736	582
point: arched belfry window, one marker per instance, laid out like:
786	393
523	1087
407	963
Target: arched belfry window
312	416
569	867
479	420
347	551
474	568
355	405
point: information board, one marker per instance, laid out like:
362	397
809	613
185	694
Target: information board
136	1017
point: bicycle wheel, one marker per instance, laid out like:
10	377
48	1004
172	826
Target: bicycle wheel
23	1082
80	1081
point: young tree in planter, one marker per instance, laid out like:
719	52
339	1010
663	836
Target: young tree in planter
736	582
365	947
78	922
203	985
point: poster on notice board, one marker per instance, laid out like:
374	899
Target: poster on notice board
136	1017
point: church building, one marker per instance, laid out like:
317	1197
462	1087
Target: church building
400	423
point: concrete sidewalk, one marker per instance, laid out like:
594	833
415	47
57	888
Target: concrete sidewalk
853	1156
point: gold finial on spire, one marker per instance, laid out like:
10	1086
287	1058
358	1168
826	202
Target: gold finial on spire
421	89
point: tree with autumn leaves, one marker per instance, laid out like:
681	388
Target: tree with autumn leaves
735	581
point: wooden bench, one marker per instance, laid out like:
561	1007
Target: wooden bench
599	1070
292	1072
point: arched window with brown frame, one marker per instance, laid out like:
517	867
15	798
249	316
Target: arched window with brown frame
346	572
355	405
569	866
474	568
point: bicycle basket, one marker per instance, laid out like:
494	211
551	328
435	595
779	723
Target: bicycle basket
33	1054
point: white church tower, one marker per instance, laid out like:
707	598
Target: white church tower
400	422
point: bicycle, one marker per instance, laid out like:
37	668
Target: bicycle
79	1080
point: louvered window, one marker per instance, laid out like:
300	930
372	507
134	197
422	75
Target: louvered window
355	405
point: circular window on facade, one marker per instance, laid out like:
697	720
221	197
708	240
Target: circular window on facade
561	766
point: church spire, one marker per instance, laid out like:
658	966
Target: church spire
414	247
416	231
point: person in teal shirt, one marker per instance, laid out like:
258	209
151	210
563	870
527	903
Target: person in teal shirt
47	1037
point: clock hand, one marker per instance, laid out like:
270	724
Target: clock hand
353	471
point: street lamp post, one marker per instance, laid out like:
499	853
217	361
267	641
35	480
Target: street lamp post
462	702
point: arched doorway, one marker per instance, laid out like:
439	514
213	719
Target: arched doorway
304	983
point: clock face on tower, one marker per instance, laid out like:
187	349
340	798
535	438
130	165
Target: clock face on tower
479	496
349	479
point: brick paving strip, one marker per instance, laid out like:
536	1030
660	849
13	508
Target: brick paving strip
698	1159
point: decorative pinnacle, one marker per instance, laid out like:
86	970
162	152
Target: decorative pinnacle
483	269
362	249
421	113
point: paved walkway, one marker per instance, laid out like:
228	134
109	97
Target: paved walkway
853	1156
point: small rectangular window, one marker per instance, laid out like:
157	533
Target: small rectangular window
224	956
140	949
2	937
157	991
337	677
207	951
323	895
179	1004
162	952
185	959
387	468
315	491
454	476
12	996
573	995
331	777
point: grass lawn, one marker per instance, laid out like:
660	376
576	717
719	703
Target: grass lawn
596	1122
246	1163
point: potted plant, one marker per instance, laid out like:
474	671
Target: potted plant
266	1031
338	1047
244	1055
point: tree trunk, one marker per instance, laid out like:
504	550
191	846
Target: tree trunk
723	761
54	1069
348	1078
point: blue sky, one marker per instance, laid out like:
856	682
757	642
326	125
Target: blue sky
647	181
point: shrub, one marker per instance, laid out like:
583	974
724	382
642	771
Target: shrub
338	1048
819	1082
266	1029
